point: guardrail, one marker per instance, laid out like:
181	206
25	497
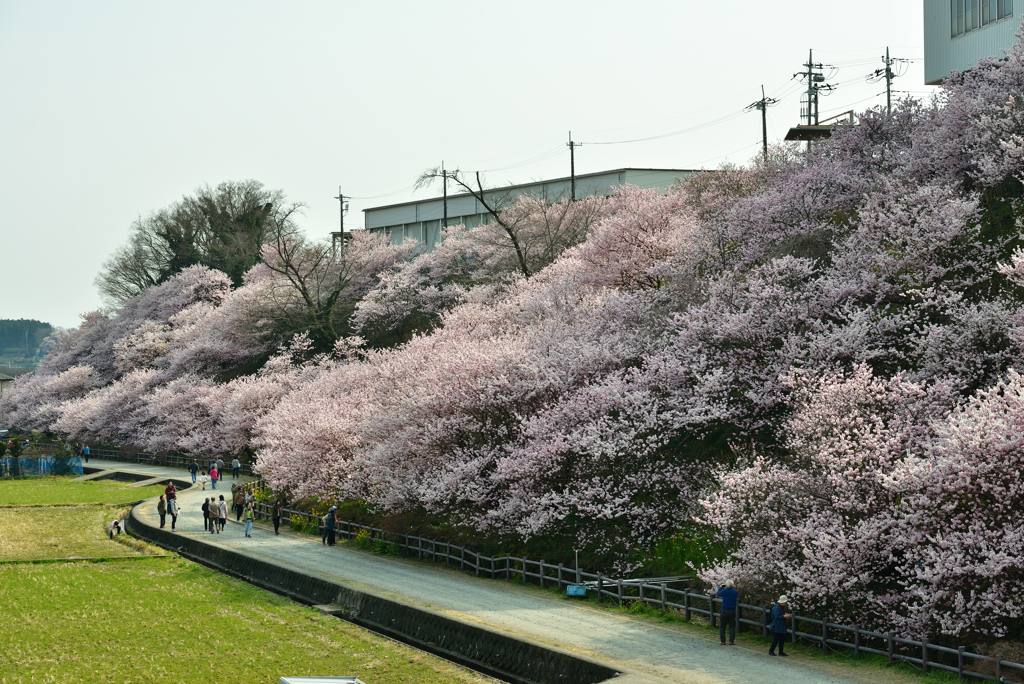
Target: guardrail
823	633
149	458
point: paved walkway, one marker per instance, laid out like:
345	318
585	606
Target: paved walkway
663	652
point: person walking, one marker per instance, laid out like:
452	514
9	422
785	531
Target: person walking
214	476
779	617
170	490
161	508
85	452
203	479
172	508
235	465
276	516
222	508
220	466
332	523
728	617
239	504
206	514
193	468
248	515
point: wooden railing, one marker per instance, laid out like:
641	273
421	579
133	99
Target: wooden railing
148	458
823	633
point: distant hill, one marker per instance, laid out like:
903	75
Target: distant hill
20	341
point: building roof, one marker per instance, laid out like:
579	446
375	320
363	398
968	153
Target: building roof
519	186
4	377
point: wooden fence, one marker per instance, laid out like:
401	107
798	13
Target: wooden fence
823	633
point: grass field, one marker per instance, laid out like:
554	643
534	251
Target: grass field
170	620
164	619
63	490
61	532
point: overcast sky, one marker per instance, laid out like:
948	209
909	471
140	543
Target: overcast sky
109	110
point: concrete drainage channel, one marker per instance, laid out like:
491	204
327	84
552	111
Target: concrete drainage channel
479	648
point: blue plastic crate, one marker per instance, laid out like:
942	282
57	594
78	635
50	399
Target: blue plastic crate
576	590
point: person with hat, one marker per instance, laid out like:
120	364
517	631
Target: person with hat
779	617
332	522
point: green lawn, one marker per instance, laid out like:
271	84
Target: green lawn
169	620
164	619
63	490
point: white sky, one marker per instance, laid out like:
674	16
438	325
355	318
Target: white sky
109	110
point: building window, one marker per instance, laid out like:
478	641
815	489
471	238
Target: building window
968	15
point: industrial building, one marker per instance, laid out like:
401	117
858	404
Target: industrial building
959	33
422	219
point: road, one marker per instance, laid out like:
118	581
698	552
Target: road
662	652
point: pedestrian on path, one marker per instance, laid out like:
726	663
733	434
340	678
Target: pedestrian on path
276	516
222	508
214	476
172	508
235	465
203	479
161	508
206	514
239	504
170	490
193	468
728	616
220	466
85	452
248	520
332	522
779	617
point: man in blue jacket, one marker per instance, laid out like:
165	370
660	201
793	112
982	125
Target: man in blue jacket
728	616
779	617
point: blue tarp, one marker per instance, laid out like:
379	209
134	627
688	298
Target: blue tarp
40	466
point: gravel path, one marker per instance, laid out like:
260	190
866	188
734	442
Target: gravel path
662	652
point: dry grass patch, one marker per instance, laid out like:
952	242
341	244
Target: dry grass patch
80	532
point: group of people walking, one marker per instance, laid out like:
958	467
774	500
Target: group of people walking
168	505
214	473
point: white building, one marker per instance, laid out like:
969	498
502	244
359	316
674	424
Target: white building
958	33
422	219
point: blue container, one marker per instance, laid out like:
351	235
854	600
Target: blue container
576	590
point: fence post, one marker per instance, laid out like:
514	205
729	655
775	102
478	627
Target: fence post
793	631
560	577
764	622
619	583
433	551
641	587
462	558
664	605
960	662
600	588
419	547
892	648
999	669
477	565
508	571
824	634
525	561
686	606
856	640
541	573
711	610
492	559
447	553
924	655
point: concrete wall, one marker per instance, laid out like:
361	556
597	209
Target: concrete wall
487	650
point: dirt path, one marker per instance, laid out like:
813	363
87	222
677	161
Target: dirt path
664	652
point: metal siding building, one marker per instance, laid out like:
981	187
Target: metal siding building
421	220
958	33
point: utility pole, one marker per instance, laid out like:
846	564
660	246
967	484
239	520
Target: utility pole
888	74
815	85
339	237
444	183
572	164
762	105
